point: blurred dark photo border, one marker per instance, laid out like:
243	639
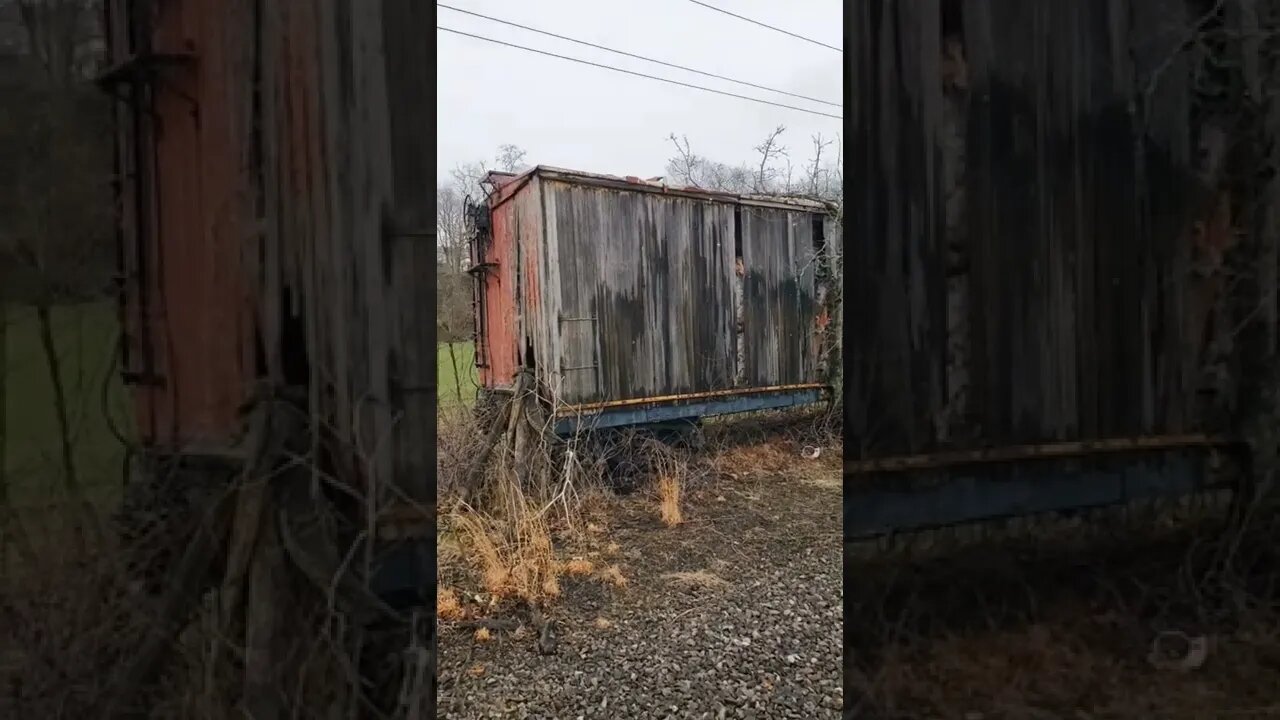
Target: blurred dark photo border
1061	359
217	358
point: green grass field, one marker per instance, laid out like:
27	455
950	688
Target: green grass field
456	386
83	337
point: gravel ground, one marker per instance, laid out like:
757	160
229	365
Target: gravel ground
752	630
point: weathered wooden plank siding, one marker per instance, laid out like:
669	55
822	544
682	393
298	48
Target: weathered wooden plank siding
501	300
779	302
646	293
1090	191
285	230
614	290
407	63
538	302
353	225
894	269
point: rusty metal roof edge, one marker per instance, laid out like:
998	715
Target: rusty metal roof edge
507	190
639	185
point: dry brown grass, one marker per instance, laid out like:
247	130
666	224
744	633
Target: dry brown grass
774	444
765	458
613	575
483	552
504	538
669	501
74	613
448	607
508	532
1066	630
483	635
513	559
596	504
696	580
513	550
551	588
458	440
67	614
448	549
1045	669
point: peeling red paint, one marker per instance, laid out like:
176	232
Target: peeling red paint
501	353
187	315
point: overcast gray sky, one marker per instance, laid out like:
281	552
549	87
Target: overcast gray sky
586	118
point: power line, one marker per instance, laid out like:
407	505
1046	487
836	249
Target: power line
638	57
766	25
638	74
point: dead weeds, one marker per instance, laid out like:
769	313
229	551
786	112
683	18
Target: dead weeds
1064	633
696	580
529	530
669	501
613	576
448	607
515	559
578	567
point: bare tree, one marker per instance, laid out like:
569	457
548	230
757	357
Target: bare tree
58	32
510	158
466	177
451	227
774	173
453	285
818	179
53	197
685	166
770	150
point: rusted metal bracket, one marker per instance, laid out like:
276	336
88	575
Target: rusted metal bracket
133	66
144	67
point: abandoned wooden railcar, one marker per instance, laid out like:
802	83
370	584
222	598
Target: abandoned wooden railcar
276	229
633	302
1063	271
